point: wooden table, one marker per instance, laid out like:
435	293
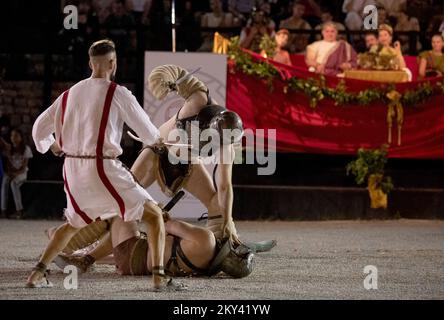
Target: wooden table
377	75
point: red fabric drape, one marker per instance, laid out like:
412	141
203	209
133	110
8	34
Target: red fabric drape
330	129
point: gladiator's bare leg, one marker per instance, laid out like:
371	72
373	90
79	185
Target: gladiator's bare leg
119	232
153	221
85	237
199	183
58	242
144	166
144	171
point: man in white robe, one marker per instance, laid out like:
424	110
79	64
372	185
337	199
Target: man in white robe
330	56
88	121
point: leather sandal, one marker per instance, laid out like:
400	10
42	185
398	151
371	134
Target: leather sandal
168	283
43	282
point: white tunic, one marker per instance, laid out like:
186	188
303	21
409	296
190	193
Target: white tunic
97	187
319	51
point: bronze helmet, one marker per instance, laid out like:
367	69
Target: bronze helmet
231	262
228	120
238	266
220	121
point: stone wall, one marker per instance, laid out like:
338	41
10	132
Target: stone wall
21	101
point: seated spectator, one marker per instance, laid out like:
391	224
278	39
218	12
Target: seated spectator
354	10
281	55
330	56
265	7
88	19
16	155
280	10
119	24
383	17
297	42
241	9
217	18
252	34
120	27
385	38
103	9
312	12
327	17
431	63
406	23
371	40
393	7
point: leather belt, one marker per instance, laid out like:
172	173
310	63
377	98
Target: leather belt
89	157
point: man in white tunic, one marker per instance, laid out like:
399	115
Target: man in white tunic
88	121
330	56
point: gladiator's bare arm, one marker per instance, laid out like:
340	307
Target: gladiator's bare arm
225	191
224	182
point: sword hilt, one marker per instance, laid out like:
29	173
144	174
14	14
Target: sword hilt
174	201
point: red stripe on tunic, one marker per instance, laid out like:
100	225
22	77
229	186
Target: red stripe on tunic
99	149
64	101
76	207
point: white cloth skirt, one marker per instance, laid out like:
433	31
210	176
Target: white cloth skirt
92	196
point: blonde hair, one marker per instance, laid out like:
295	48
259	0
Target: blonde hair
386	27
164	79
329	24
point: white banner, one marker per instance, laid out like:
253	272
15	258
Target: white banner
213	73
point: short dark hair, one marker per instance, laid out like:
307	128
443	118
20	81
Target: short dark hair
371	33
101	48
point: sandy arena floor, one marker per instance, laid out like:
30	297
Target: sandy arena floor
313	260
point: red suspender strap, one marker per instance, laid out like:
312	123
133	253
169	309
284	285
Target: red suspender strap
76	207
99	150
64	101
